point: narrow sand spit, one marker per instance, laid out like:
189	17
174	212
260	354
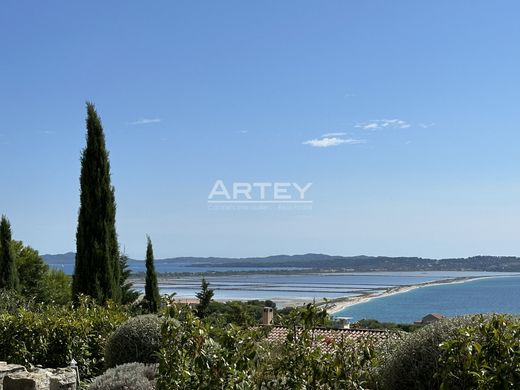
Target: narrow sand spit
337	305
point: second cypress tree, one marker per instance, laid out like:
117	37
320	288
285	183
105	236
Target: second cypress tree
151	289
8	273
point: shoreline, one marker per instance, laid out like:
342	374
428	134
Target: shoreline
339	304
335	305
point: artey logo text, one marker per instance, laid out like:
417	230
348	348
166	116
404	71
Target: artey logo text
259	192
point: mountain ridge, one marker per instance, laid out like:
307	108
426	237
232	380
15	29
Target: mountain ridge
321	261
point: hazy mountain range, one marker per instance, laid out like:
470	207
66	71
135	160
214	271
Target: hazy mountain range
326	262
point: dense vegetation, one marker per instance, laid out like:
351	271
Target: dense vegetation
227	349
196	355
53	335
484	355
476	352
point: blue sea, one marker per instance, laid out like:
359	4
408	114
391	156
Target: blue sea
496	294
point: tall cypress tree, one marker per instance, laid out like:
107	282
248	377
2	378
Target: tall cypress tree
97	270
8	273
151	289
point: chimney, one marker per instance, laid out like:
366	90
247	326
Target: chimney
267	316
342	322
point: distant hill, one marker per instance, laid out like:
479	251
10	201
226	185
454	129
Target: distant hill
383	263
331	263
65	258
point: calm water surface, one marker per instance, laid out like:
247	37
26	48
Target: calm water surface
498	294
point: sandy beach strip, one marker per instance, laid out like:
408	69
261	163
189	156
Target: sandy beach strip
336	305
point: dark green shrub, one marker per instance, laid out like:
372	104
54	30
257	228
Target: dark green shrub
413	361
56	288
305	360
55	335
482	356
11	301
135	376
195	355
137	340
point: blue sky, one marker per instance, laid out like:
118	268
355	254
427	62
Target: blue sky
421	98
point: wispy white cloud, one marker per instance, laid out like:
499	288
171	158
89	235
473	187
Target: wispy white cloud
145	121
242	131
383	124
326	142
426	125
333	134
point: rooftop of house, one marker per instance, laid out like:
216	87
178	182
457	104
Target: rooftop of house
331	336
430	317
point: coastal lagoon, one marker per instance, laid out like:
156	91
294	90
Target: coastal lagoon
167	266
300	288
492	293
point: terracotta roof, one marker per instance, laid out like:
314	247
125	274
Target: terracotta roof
331	336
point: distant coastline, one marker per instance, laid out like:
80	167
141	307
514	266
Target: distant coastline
310	262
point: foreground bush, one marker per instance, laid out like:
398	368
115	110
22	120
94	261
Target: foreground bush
482	356
414	361
135	376
11	301
192	359
136	340
196	356
55	335
306	361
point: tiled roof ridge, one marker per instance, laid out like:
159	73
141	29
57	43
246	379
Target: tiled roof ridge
338	329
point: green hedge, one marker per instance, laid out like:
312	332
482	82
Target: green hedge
55	335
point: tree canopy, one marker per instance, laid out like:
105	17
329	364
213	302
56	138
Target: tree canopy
8	274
